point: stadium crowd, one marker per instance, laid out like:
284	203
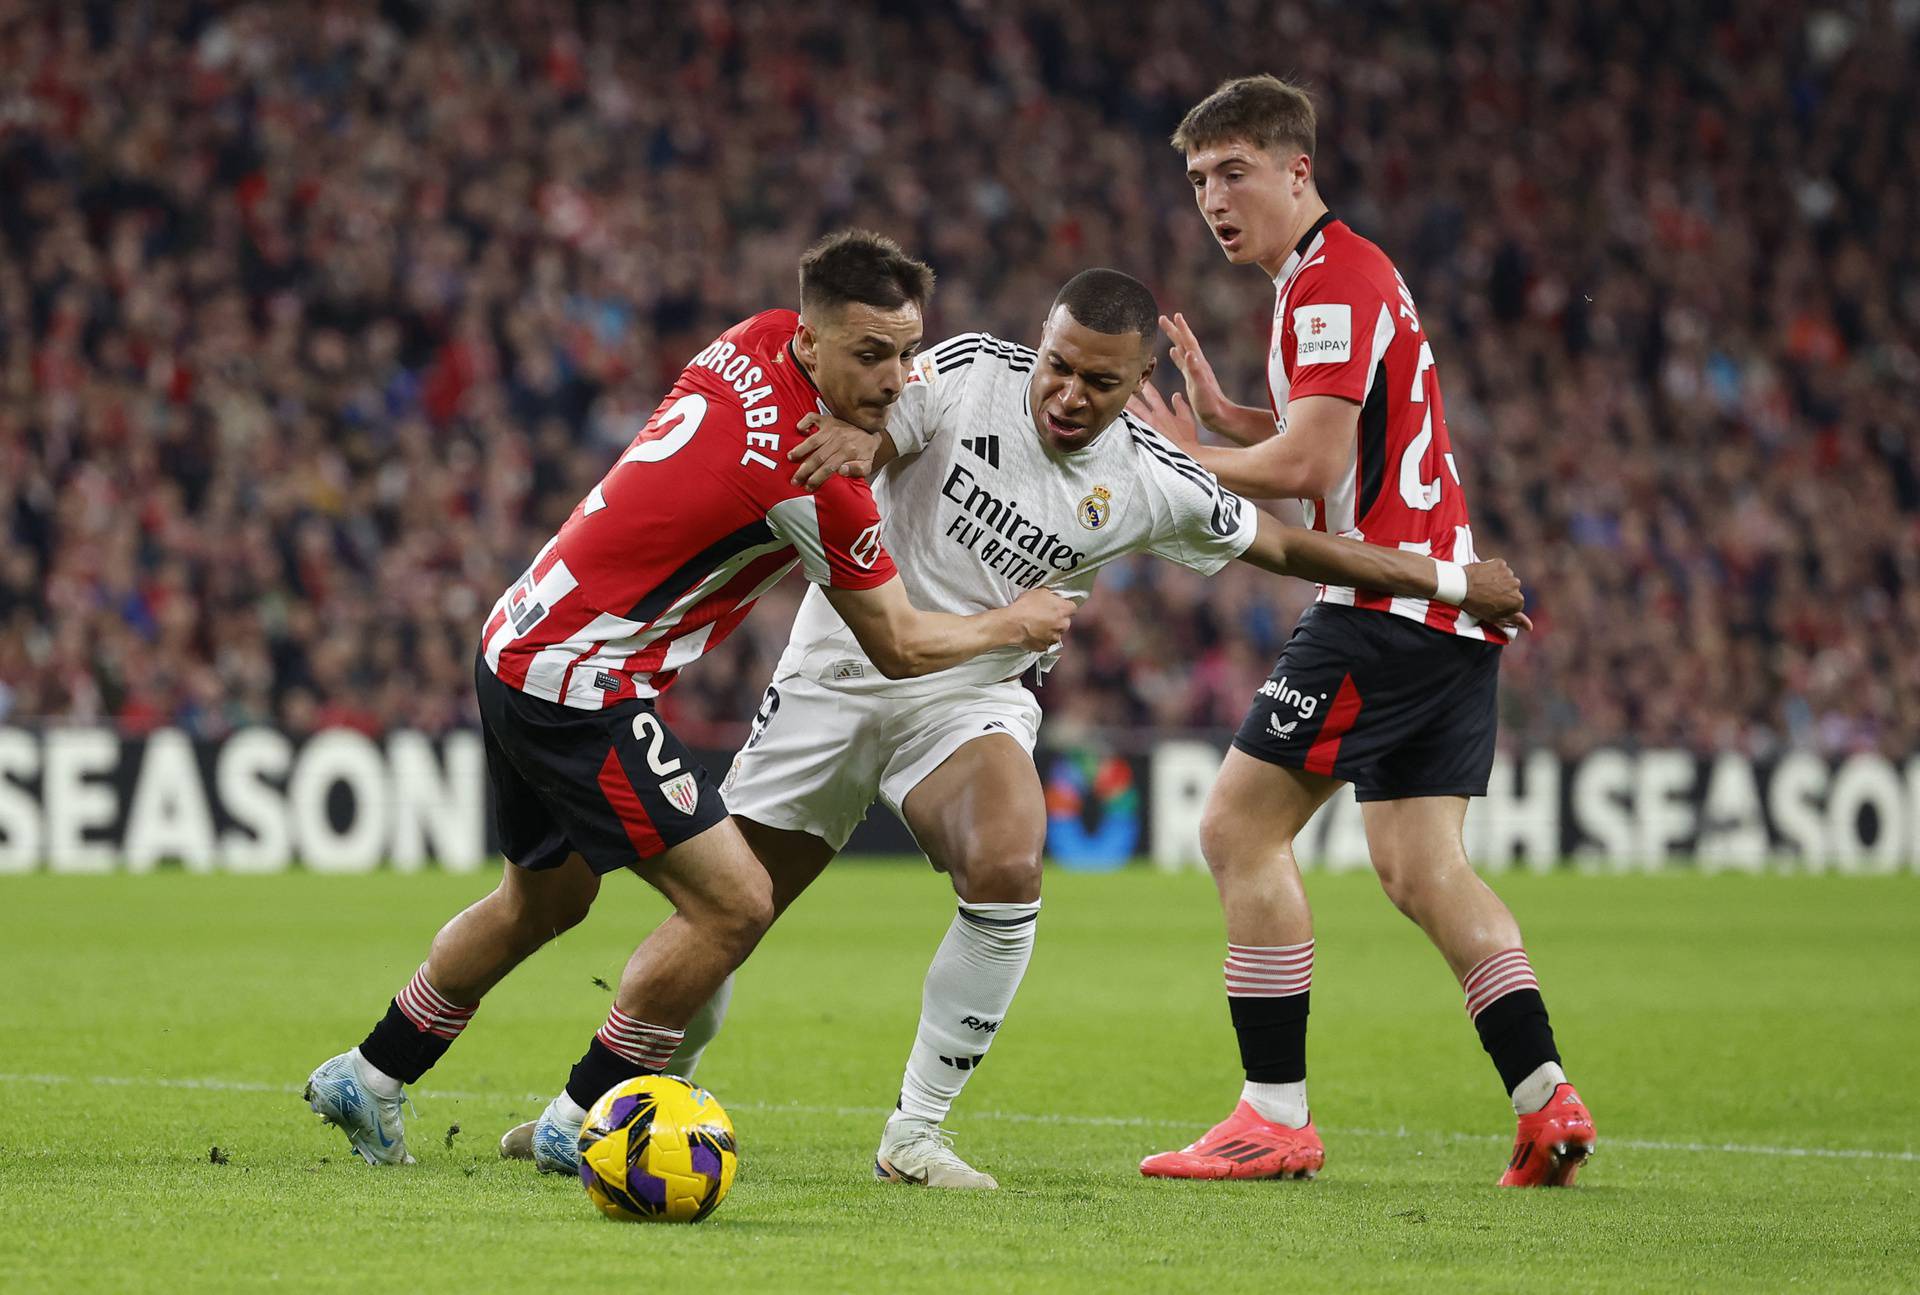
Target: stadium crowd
316	320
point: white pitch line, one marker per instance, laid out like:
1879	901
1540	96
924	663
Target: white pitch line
1007	1117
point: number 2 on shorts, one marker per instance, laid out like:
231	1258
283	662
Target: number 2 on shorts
647	728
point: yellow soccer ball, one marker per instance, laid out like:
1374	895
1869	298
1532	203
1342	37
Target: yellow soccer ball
657	1149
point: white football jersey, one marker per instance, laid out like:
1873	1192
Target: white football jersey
978	509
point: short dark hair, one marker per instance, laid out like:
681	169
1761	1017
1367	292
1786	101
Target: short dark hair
858	265
1262	110
1108	301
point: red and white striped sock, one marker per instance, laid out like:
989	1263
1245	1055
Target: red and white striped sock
1267	988
429	1011
646	1046
1496	976
1269	970
1516	1035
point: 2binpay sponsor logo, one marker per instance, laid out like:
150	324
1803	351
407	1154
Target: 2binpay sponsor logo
1323	333
1305	703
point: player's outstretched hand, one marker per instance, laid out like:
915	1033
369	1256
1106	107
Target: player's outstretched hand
1042	616
834	449
1494	594
1174	421
1209	403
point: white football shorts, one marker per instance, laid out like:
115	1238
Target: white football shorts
819	756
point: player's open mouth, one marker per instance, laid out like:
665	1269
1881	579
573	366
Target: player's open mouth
1062	427
1229	235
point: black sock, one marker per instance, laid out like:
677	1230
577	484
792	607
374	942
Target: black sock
402	1049
1514	1031
1273	1037
598	1071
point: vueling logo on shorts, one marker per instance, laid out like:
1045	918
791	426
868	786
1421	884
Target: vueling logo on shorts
1304	703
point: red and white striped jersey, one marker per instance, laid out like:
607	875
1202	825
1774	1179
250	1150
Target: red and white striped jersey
695	521
1344	324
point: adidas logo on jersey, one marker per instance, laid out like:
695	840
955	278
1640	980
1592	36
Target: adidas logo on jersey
986	447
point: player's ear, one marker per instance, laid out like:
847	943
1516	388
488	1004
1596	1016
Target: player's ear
806	344
1153	361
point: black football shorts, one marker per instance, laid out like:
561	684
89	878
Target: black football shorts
1385	703
614	784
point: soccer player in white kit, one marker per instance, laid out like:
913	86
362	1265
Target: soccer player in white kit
1007	469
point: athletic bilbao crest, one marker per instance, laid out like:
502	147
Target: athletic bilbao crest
680	793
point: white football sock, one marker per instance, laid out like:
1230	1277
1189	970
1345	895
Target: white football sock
1533	1092
969	988
1281	1103
567	1109
377	1081
701	1031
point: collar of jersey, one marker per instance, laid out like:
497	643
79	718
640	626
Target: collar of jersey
1300	248
801	369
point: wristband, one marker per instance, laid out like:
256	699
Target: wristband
1450	582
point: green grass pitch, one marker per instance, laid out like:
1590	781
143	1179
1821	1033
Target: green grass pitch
1747	1045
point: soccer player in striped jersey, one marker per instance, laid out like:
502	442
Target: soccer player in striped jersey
1006	468
1395	695
657	564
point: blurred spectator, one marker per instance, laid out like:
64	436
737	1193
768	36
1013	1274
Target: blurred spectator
316	320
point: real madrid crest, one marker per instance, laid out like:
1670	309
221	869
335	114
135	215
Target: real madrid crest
1095	508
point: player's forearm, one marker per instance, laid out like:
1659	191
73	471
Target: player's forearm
1266	471
902	641
925	642
1242	424
1328	559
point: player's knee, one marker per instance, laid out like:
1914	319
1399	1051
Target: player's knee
739	912
568	913
537	918
741	926
1405	882
1399	888
1231	850
1002	873
758	912
1216	838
